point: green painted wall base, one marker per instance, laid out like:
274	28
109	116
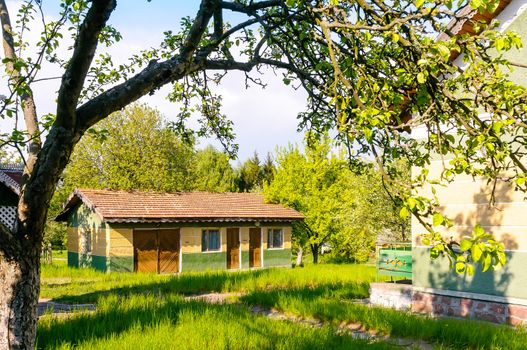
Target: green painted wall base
204	261
190	261
278	257
87	260
73	259
510	281
121	264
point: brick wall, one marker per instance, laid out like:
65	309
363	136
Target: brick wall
471	308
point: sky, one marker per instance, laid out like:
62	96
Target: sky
263	118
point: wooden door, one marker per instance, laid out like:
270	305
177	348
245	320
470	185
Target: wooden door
168	251
255	247
233	248
145	251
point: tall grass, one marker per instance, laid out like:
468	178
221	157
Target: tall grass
87	285
164	322
331	306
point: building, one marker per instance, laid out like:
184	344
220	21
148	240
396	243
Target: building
175	232
497	296
10	180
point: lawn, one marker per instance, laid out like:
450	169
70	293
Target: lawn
149	311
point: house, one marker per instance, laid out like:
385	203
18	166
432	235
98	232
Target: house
175	232
498	296
10	183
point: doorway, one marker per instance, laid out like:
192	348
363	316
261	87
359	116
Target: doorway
156	250
255	247
233	248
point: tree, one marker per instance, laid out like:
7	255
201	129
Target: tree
268	169
212	171
250	175
346	209
132	149
367	214
309	184
366	66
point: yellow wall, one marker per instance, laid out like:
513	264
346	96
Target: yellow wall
466	202
73	239
121	242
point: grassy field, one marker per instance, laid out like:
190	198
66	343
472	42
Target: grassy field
141	311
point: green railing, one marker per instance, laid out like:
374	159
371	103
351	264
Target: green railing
395	260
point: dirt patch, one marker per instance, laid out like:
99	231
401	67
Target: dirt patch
46	306
216	298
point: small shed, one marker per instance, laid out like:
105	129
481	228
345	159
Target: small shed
10	181
175	232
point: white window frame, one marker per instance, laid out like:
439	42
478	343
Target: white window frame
220	240
269	236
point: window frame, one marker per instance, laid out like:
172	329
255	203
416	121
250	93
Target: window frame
207	232
270	234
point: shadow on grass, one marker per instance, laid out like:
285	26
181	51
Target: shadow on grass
119	322
196	283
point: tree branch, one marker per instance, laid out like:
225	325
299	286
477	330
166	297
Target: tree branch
155	75
26	97
252	7
79	64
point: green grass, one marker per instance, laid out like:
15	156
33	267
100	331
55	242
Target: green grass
331	305
62	283
164	322
147	311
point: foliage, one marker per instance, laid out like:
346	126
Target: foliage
347	212
367	67
212	171
133	149
250	175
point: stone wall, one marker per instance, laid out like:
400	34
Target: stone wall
442	305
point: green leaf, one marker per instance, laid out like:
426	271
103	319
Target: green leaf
476	252
425	241
421	79
460	267
437	219
444	51
479	231
419	3
487	260
403	213
465	245
470	269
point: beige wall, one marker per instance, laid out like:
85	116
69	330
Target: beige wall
466	202
121	242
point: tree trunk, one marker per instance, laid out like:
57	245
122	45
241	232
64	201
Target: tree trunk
19	291
314	250
299	256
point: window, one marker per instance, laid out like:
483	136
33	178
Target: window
85	241
275	238
210	240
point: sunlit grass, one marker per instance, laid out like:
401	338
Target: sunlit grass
332	306
87	285
165	322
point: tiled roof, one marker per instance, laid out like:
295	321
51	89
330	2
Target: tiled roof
135	206
11	176
464	23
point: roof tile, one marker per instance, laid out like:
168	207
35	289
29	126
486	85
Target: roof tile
136	206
